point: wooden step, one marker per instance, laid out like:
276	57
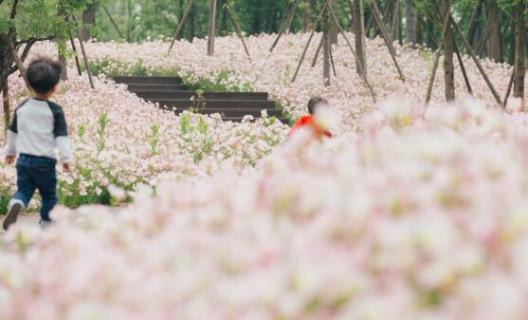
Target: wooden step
159	87
239	119
188	94
234	112
213	103
146	80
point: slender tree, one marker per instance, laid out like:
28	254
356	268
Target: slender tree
520	45
359	31
495	51
88	20
211	28
449	72
410	22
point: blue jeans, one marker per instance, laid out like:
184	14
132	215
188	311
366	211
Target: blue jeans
37	173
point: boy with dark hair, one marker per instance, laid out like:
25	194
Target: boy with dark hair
38	128
310	121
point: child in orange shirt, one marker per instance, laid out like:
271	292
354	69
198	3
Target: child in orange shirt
310	120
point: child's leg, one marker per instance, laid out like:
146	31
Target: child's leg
25	184
25	190
46	179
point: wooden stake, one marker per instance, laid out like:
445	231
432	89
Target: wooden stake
332	61
303	56
362	72
378	19
510	87
436	62
482	43
316	56
432	77
85	57
236	26
477	63
473	21
188	10
309	41
286	24
113	22
211	28
75	54
463	68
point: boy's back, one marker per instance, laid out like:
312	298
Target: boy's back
37	130
41	128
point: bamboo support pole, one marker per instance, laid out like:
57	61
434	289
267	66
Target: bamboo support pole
113	22
436	62
362	71
286	24
477	63
463	68
236	26
85	57
378	19
317	52
179	29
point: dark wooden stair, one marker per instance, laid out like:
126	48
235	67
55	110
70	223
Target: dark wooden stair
170	93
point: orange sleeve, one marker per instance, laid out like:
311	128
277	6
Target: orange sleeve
302	122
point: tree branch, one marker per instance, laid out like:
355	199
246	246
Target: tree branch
23	57
25	53
34	39
13	13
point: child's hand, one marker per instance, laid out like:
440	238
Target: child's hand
10	159
66	167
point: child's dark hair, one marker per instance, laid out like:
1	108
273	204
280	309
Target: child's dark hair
314	102
43	74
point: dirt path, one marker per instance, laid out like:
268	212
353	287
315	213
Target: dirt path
27	218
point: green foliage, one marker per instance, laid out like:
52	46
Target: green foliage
39	18
101	131
185	124
154	139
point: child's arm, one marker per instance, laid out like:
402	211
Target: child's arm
60	130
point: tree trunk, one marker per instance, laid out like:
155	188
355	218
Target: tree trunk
326	45
419	29
410	23
222	28
306	17
473	23
61	43
191	23
396	20
211	28
129	21
518	14
326	59
333	31
180	16
6	59
6	104
494	36
359	31
449	72
88	19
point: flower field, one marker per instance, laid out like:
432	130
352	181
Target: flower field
408	213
